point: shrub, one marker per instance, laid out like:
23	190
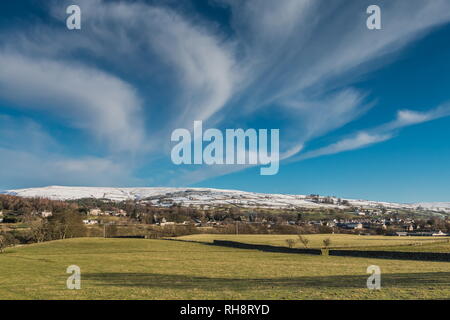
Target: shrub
65	224
290	243
3	244
6	240
327	242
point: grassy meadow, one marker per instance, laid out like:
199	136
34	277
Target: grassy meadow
161	269
338	241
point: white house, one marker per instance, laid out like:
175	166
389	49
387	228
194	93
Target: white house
95	212
46	214
167	223
117	213
90	221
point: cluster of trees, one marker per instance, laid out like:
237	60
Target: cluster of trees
6	240
431	224
434	224
67	220
27	206
305	242
154	232
328	200
62	225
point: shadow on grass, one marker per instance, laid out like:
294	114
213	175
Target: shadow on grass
164	281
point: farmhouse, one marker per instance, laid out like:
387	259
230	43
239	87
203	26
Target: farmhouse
192	310
46	214
351	225
95	212
420	234
90	222
408	227
232	151
120	213
428	234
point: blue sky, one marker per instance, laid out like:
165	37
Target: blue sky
362	113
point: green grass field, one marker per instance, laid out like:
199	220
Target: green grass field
338	241
161	269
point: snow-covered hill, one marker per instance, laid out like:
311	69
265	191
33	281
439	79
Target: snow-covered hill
211	198
434	206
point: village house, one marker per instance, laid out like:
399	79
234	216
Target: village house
90	222
169	223
46	214
421	234
117	213
164	222
243	218
428	234
95	212
212	223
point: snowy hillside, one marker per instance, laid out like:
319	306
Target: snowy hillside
212	198
434	206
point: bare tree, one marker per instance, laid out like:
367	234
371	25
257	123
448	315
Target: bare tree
303	240
327	242
39	231
3	243
290	243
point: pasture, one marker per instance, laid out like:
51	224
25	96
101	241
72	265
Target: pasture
162	269
338	241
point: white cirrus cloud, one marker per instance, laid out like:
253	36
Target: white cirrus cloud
291	64
20	167
379	134
359	140
83	97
